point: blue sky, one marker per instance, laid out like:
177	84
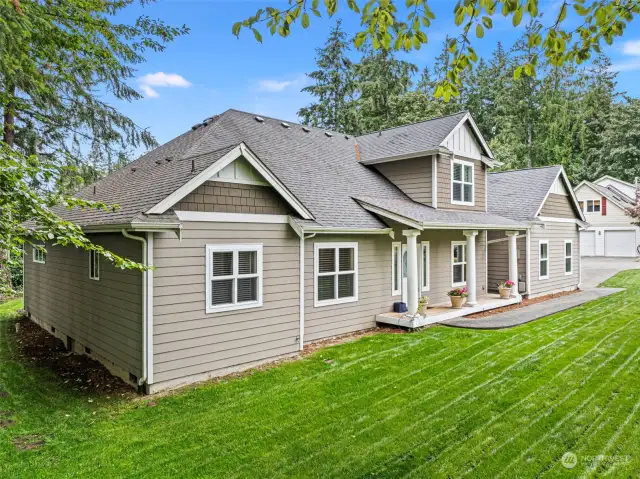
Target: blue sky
209	70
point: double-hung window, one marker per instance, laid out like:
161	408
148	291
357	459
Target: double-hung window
234	277
593	206
462	182
39	254
396	269
424	266
335	273
543	259
459	262
94	265
568	257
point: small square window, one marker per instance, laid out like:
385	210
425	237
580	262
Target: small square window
39	254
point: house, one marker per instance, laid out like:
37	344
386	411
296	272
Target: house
265	235
604	203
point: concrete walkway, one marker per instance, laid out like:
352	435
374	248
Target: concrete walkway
597	270
532	312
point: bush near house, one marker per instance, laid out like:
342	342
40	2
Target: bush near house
439	402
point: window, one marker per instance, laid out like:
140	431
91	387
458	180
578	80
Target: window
593	206
543	249
94	265
335	273
234	277
458	263
424	266
581	204
462	182
396	269
39	254
568	257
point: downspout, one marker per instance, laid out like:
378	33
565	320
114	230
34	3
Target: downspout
528	260
301	335
126	234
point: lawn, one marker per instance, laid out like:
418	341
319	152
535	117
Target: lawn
441	402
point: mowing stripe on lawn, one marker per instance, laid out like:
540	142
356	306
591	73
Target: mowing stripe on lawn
483	427
449	404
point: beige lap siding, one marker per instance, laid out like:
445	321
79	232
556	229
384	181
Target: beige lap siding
499	259
222	197
104	315
558	206
190	342
412	176
556	233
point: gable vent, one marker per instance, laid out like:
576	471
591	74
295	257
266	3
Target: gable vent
305	129
286	125
259	119
328	134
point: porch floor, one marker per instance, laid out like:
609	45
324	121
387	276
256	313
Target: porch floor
440	312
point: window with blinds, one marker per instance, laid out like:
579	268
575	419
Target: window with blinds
234	277
336	273
94	265
462	182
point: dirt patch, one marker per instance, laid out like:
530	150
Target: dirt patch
27	443
4	394
78	372
311	348
524	304
6	419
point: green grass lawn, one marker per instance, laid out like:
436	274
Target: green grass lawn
441	402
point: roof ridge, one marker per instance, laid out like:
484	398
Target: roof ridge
295	123
415	123
215	124
525	169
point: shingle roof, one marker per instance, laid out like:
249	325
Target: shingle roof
432	216
403	140
518	194
613	193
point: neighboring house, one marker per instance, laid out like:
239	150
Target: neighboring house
610	231
266	235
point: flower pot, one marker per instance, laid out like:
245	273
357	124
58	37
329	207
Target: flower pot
457	301
423	310
505	293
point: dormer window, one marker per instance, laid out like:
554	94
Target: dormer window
462	175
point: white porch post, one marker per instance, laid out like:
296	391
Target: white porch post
513	261
412	270
471	266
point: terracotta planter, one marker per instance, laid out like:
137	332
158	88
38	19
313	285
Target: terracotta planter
457	301
505	293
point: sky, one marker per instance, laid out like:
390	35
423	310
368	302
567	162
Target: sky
209	70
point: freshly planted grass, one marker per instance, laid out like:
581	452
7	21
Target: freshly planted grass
442	402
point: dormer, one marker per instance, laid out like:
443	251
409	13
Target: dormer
441	162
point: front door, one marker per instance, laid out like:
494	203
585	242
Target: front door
405	262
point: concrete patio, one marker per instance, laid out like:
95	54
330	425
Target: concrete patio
441	312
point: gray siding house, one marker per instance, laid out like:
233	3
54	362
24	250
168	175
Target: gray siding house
265	235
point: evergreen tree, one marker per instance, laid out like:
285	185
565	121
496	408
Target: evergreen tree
333	86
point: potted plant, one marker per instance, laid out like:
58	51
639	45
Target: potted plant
457	296
422	305
505	289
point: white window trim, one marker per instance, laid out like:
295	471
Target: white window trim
473	182
464	269
35	257
566	242
425	247
396	253
94	256
316	267
540	243
235	248
593	206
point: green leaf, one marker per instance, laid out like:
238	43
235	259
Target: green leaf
305	20
517	73
488	22
479	31
257	35
236	28
517	17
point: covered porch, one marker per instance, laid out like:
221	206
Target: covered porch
442	312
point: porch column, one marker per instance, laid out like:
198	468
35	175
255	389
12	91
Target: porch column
412	270
513	261
471	266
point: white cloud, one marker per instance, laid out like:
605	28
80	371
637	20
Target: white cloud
161	79
632	47
278	86
629	66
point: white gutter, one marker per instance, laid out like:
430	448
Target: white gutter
146	302
302	238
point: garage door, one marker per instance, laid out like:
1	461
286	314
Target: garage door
619	243
587	243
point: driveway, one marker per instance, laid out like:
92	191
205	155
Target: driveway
597	270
